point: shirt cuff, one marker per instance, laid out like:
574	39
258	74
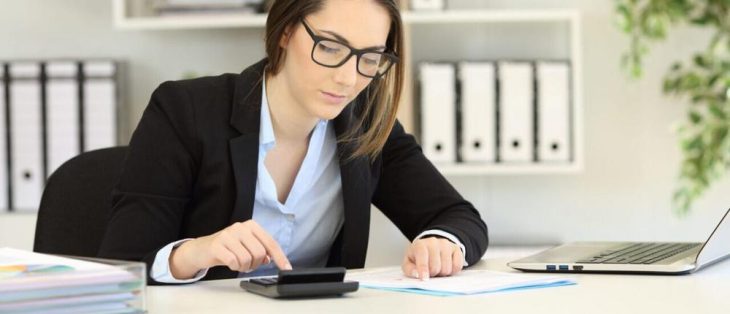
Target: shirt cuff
449	237
160	271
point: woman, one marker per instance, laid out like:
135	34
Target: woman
238	175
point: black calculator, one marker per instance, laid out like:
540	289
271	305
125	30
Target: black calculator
302	282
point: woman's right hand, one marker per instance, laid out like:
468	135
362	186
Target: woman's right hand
243	247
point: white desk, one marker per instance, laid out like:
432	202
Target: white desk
707	291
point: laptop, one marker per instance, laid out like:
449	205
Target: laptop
632	257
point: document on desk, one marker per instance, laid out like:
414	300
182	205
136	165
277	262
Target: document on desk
464	283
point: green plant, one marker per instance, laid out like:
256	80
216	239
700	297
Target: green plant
704	80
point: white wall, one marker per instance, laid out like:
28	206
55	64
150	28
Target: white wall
17	230
631	154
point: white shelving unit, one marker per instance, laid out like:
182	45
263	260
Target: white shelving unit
466	169
190	22
572	18
125	19
487	16
134	15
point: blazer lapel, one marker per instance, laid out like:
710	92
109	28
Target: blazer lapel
245	118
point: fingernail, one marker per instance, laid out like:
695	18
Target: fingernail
425	277
288	267
414	274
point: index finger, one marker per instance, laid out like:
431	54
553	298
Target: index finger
421	256
272	248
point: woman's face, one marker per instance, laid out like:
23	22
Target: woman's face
324	92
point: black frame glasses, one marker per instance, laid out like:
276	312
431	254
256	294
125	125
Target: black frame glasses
383	56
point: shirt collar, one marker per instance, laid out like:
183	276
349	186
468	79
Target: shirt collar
266	135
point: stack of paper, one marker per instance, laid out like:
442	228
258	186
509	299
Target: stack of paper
32	282
464	283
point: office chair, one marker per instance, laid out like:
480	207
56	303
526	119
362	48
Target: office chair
75	205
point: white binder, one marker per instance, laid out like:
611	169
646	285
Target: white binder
438	112
3	146
516	112
100	103
553	105
25	129
62	113
478	110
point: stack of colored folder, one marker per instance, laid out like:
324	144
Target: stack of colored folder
40	283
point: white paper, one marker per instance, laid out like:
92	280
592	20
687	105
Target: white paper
465	282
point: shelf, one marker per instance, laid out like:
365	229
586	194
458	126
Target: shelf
132	15
191	22
18	213
467	170
123	20
487	16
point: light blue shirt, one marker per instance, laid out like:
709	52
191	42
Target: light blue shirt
307	223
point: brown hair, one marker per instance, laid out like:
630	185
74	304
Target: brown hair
383	94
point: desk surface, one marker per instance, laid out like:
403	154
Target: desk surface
703	292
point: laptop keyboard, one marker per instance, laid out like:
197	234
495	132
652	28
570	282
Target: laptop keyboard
639	253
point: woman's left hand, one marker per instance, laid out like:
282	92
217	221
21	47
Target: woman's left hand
432	257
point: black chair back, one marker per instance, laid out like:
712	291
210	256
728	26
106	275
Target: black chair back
76	202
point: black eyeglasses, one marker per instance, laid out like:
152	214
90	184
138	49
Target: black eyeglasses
330	53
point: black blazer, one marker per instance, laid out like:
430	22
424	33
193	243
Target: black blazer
191	171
